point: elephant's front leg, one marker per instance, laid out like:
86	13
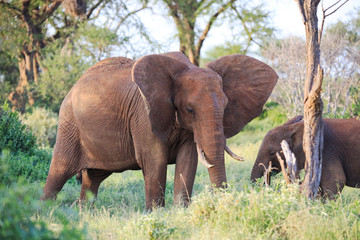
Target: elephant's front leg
186	164
153	162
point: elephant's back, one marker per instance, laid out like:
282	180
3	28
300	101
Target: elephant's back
101	102
114	64
103	86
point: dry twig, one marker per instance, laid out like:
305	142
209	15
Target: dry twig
267	173
291	173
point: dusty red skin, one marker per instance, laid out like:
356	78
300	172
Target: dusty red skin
125	115
340	164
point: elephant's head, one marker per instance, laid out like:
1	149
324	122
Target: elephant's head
292	132
213	103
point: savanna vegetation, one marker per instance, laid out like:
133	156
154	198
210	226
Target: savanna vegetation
45	47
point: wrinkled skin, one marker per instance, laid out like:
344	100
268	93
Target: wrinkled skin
125	115
341	152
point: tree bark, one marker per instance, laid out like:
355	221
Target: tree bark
313	106
27	69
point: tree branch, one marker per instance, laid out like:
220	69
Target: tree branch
127	16
209	25
26	16
248	32
49	11
326	15
335	5
267	172
92	9
337	8
283	169
290	161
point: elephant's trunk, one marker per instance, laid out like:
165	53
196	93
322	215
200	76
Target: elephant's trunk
258	169
217	169
214	161
211	144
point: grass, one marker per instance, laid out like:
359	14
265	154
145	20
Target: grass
242	211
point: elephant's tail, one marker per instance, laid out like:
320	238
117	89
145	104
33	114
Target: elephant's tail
79	177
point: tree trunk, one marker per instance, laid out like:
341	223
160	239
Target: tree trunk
184	15
28	68
313	106
33	17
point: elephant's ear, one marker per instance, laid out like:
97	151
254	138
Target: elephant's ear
248	83
180	57
293	120
154	76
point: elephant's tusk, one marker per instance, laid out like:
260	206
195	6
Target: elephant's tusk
233	155
202	158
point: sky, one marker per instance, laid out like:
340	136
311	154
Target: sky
288	19
285	16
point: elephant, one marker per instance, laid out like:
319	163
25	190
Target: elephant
341	152
160	109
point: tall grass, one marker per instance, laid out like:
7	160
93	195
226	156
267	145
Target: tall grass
242	211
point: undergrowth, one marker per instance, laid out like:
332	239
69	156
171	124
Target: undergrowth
242	211
19	152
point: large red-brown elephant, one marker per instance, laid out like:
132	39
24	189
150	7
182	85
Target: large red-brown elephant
161	109
341	152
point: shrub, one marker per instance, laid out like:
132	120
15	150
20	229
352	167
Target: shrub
13	134
17	206
32	167
19	152
43	124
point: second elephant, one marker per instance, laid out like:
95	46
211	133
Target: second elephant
341	152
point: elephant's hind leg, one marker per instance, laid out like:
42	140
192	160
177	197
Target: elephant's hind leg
65	160
91	180
333	179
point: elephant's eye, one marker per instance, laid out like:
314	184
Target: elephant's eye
190	110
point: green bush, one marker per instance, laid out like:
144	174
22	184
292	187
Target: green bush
355	106
13	134
19	152
43	124
32	167
17	207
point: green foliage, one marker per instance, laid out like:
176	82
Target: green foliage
19	152
244	210
62	73
13	34
9	72
43	124
64	64
13	134
355	106
222	50
33	167
20	158
350	30
250	28
17	221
